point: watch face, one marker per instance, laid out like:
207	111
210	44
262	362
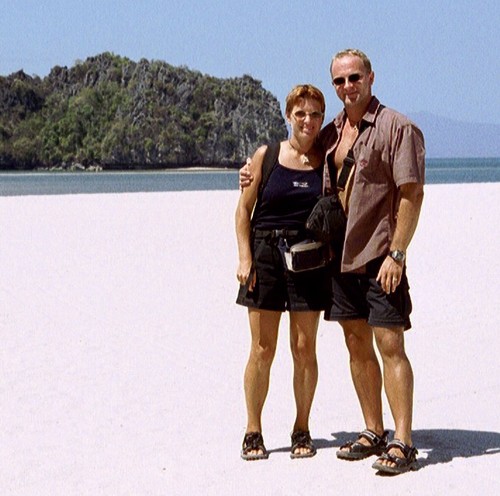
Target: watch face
398	255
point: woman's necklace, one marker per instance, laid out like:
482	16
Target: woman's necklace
304	158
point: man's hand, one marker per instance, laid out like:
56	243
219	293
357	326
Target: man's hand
389	275
246	176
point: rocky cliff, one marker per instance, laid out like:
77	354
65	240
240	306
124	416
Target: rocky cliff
111	112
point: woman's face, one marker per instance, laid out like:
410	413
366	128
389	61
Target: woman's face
306	118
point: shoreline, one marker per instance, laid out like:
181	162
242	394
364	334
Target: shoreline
431	162
57	183
110	171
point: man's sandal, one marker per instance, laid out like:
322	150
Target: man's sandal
253	441
300	440
355	450
401	465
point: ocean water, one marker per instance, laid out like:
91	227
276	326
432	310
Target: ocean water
438	171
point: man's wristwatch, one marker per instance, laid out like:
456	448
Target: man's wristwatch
398	256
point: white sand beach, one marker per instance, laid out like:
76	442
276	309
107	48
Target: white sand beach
122	354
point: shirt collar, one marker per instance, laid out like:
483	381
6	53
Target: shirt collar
368	117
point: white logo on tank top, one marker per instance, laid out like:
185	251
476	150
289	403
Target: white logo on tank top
300	184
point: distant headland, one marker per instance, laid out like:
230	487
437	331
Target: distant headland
109	112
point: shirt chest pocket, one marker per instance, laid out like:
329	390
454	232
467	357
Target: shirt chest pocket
371	166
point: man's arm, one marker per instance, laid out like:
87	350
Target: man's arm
412	195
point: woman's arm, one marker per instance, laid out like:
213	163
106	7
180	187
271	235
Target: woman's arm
243	217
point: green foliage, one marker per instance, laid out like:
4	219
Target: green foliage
110	111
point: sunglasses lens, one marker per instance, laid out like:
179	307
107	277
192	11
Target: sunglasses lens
353	78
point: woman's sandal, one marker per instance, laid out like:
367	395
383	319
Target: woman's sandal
354	450
302	439
253	441
401	465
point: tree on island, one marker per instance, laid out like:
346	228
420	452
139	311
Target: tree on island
111	112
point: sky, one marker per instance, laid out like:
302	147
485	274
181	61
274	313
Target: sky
432	56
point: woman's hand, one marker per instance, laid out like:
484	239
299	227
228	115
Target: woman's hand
244	273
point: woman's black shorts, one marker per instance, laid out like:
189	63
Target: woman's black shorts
279	289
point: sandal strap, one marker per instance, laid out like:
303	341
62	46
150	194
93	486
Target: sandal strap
373	438
409	452
392	458
301	439
253	441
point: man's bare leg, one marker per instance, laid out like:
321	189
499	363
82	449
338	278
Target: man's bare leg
365	372
398	383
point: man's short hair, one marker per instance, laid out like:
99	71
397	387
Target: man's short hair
356	53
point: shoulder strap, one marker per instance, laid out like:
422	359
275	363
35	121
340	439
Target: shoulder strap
345	180
346	170
270	159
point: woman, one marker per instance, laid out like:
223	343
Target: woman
267	288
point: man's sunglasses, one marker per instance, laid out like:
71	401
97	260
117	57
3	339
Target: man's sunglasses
353	78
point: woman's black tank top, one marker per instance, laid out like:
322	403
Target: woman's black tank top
288	198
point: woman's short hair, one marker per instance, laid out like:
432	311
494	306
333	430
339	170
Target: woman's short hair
304	91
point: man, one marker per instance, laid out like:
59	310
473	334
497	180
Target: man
382	194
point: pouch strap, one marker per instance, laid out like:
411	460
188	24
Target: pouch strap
278	233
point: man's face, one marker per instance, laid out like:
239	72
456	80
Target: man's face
352	82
